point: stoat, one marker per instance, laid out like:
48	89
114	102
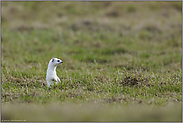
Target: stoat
51	76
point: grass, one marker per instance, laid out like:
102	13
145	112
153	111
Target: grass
119	57
91	112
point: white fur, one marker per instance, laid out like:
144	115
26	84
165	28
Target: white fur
51	76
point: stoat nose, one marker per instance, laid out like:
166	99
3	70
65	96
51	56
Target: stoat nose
61	62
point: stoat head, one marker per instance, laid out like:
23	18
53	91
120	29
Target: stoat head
55	62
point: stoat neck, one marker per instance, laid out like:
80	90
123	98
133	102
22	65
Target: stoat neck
52	68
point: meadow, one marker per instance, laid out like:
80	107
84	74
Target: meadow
122	61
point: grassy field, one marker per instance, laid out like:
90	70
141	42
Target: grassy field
122	61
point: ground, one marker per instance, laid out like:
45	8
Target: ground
122	61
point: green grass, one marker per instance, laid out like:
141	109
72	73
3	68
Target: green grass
119	57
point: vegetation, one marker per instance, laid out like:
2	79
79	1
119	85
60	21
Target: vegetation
122	61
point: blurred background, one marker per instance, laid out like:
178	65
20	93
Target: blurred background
90	31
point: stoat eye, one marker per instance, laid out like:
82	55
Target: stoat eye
58	60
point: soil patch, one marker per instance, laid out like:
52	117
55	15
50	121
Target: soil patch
136	81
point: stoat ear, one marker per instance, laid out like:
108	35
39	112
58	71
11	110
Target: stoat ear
52	60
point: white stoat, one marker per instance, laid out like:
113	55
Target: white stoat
51	76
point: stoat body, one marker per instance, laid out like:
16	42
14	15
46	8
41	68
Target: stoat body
51	76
